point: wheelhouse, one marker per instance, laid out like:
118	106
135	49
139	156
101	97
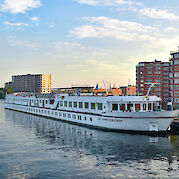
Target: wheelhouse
136	104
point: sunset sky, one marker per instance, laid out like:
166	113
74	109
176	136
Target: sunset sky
85	41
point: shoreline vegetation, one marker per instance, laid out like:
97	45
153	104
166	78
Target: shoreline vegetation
4	91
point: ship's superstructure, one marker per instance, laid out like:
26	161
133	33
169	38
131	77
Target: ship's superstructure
123	113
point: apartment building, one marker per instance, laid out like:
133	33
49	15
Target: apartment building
174	78
128	90
153	72
32	83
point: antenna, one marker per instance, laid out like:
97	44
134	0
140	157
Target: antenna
129	82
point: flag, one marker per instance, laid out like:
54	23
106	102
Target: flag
96	87
110	87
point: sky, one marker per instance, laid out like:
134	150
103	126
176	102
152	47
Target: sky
83	42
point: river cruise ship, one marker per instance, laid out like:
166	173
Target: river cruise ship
117	113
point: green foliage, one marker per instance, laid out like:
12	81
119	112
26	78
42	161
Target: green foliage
4	91
8	90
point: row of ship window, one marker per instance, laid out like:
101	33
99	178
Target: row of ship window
65	115
81	105
136	107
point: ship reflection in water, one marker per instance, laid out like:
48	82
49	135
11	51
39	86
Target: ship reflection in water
50	148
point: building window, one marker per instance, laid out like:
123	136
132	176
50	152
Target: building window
115	107
158	89
166	68
70	104
80	104
166	72
158	93
157	76
61	103
129	107
148	68
93	106
100	106
149	76
157	68
144	107
79	117
64	114
176	81
137	107
176	61
157	72
69	115
149	81
150	106
148	72
65	103
176	74
122	107
75	104
157	81
86	105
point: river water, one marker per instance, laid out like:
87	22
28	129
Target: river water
37	147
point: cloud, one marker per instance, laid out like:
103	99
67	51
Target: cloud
67	50
107	2
158	14
66	45
16	24
19	6
34	18
51	26
76	51
25	44
12	41
89	2
102	27
158	38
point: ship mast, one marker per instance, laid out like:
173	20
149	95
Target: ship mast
105	87
151	85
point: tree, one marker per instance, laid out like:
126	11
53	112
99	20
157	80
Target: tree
8	90
4	91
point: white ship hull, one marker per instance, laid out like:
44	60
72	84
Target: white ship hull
155	121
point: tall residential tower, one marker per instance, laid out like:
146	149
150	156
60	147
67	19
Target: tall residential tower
174	78
153	72
32	83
